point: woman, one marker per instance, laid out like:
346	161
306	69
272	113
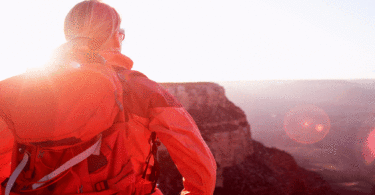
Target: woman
68	120
92	30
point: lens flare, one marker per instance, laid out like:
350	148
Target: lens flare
319	127
368	151
307	124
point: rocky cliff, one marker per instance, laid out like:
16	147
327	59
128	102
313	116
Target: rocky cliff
222	124
244	166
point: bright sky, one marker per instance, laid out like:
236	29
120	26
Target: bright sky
206	40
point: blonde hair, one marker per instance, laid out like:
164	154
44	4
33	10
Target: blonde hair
93	20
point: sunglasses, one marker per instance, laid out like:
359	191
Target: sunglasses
121	34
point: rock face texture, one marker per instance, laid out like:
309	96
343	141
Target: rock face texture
223	125
244	165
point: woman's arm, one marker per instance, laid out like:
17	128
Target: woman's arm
177	130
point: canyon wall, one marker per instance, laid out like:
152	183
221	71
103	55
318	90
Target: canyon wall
223	125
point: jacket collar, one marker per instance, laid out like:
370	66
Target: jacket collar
116	58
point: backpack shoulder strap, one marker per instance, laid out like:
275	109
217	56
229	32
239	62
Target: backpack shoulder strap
125	75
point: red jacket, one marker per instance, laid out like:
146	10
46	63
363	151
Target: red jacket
6	146
148	108
151	108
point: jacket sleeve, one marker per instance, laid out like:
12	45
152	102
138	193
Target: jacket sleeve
178	132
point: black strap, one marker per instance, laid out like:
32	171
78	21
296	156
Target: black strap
155	170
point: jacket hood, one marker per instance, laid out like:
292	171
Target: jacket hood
116	58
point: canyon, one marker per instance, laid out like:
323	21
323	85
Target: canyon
245	166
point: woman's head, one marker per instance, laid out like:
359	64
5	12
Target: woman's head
92	20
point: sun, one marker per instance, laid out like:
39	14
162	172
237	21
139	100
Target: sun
29	37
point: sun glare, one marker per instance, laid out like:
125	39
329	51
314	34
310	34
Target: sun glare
30	58
32	34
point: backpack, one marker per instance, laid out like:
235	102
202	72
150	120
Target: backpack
69	132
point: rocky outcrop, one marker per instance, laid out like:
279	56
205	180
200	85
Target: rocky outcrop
223	125
244	165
